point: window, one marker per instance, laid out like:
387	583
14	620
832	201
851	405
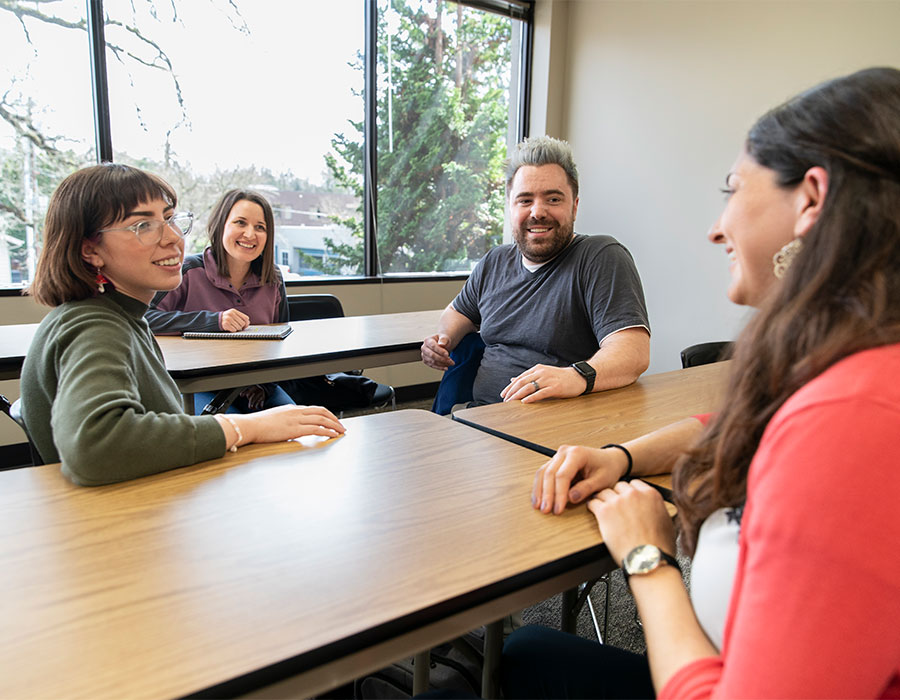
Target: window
46	128
255	95
269	95
447	110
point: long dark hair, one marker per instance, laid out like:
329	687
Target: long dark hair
842	292
264	265
88	200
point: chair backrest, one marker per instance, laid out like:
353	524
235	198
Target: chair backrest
705	353
457	382
307	307
14	411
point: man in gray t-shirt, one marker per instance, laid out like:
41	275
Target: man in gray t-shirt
561	314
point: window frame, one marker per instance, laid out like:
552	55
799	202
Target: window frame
522	10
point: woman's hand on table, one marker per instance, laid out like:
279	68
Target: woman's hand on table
233	320
574	474
281	423
631	514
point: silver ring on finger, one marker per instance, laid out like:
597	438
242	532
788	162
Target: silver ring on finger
537	387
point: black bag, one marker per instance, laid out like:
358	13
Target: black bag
336	392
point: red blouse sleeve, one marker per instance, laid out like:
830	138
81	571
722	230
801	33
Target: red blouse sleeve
814	609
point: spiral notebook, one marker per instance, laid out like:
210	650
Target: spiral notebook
249	333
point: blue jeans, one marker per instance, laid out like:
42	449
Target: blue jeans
275	396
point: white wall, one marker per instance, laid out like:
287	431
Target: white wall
657	97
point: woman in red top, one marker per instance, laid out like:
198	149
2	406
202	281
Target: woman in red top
787	499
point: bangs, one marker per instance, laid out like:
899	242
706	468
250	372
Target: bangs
124	188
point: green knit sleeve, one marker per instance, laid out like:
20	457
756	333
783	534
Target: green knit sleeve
117	414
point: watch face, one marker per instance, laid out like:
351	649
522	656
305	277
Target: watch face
584	369
642	560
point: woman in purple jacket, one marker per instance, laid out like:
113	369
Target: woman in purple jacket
232	284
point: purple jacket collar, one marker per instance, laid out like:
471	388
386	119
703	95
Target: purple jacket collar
217	280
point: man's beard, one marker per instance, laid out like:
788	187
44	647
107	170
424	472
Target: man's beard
547	248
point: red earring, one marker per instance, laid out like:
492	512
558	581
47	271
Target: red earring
101	280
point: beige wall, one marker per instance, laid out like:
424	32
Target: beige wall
657	97
357	300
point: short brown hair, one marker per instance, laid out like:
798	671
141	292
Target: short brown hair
85	202
264	265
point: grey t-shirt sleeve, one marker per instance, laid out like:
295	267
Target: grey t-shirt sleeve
467	302
614	296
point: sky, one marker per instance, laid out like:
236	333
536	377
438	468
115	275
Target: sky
273	96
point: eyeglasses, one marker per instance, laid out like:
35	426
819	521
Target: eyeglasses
151	232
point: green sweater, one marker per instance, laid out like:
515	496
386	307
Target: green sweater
96	396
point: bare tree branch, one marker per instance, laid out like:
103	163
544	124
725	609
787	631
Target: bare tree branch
15	211
21	12
25	128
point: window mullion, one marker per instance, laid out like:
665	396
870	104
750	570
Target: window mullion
99	82
370	138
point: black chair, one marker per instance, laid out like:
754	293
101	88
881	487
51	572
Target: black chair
14	411
705	353
310	307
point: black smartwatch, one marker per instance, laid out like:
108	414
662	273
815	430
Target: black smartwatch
586	371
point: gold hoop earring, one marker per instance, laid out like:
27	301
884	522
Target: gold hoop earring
782	260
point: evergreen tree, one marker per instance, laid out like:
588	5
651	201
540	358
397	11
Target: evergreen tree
444	111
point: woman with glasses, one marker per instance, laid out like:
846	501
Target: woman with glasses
232	284
95	392
788	499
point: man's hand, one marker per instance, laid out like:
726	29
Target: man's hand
544	382
435	353
233	320
574	474
255	395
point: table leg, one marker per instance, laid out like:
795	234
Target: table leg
569	612
421	667
493	648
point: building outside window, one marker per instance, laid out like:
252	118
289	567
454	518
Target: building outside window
215	94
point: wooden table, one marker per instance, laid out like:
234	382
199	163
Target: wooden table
595	420
598	419
315	347
15	339
328	559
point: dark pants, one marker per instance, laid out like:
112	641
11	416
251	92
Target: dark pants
539	662
275	396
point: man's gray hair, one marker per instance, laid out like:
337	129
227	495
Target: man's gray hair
542	150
